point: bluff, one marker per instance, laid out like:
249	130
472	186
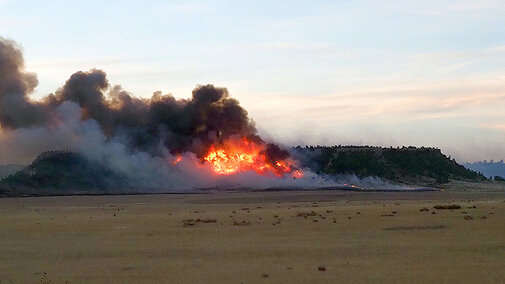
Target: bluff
410	165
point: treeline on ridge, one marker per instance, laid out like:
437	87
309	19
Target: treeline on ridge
423	165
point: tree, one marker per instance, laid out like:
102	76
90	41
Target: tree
499	178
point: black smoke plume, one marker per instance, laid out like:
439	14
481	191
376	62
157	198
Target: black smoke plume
184	125
134	136
100	136
16	109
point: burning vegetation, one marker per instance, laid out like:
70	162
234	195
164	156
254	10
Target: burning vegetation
238	155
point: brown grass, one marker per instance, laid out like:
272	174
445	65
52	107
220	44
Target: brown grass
55	240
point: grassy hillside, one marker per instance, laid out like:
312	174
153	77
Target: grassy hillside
60	173
406	164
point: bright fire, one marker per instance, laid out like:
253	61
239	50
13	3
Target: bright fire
177	160
243	155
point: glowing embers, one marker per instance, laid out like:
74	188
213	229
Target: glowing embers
235	156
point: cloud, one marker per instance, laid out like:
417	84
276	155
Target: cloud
387	104
494	126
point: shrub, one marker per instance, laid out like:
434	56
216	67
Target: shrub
452	206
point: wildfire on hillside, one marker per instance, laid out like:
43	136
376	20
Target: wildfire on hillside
234	156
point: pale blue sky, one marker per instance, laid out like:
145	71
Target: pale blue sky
330	72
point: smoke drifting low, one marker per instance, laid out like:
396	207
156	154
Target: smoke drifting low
137	137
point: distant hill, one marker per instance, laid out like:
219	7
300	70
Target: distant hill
61	173
411	165
7	170
489	169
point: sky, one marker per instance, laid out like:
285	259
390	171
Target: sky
386	73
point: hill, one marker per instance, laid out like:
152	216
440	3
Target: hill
489	169
411	165
61	173
7	170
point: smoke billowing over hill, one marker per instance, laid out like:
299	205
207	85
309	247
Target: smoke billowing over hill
158	142
103	138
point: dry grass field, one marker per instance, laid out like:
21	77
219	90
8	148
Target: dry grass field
257	237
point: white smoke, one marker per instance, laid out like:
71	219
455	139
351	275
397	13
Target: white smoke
146	172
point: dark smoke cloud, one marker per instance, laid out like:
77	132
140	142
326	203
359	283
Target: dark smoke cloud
152	125
135	137
179	125
16	110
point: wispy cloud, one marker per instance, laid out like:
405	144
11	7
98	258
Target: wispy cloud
385	105
494	126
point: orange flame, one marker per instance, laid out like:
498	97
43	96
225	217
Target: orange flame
235	156
177	160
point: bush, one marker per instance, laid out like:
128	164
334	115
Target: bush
454	206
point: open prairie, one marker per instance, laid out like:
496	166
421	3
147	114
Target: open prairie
254	237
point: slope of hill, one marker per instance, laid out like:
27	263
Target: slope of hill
409	165
61	173
489	169
71	173
7	170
